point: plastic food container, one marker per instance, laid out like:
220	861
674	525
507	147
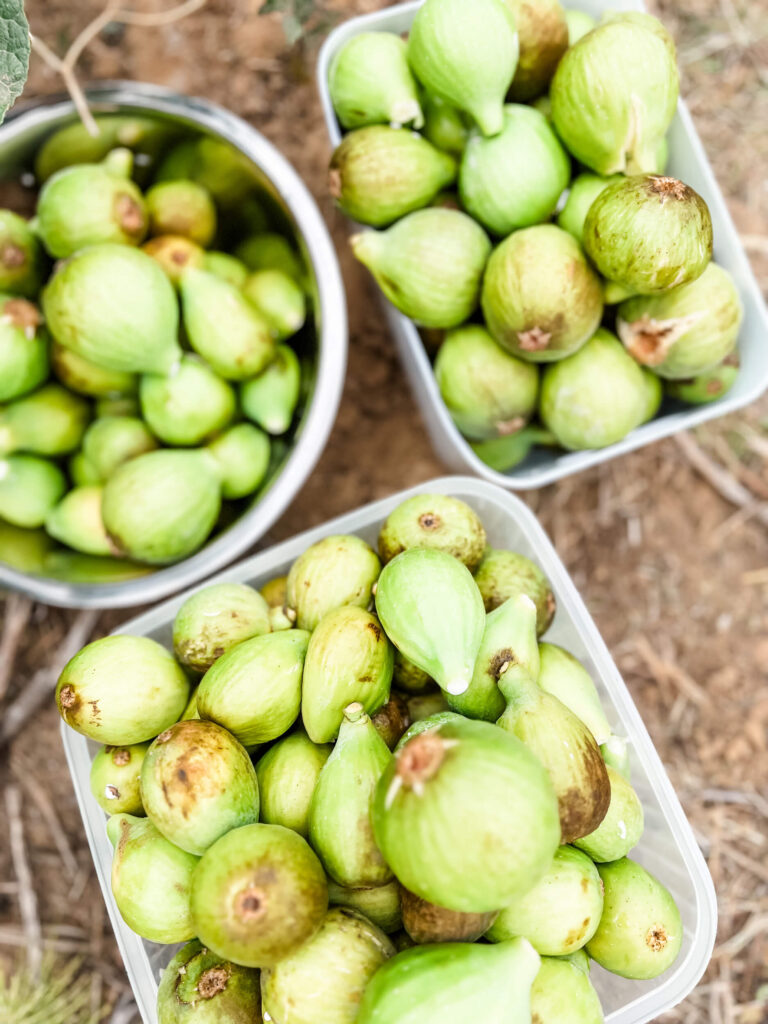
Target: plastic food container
688	161
323	341
668	848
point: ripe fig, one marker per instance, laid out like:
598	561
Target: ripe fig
506	452
332	573
240	458
82	472
445	126
112	440
370	82
583	192
274	591
29	488
76	521
269	251
426	722
705	387
86	378
229	268
182	208
115	779
279	299
270	399
287	775
392	720
426	923
50	421
75	145
23	348
433	521
188	405
381	905
579	24
622	827
505	574
566	678
21	257
214	620
543	36
563	994
175	255
75	567
117	405
198	986
22	549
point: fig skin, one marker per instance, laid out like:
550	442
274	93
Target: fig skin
115	779
622	827
410	679
332	573
225	266
381	904
563	675
563	994
424	724
112	440
433	521
21	257
287	775
29	488
175	254
392	720
502	575
543	33
427	923
214	620
23	348
370	82
270	399
198	986
240	458
182	208
50	421
86	378
274	591
706	387
280	299
76	521
270	251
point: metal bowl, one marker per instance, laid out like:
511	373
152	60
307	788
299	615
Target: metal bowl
324	343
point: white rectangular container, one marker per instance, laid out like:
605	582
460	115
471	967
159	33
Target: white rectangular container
687	161
668	848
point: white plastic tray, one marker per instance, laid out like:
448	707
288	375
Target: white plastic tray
687	161
668	848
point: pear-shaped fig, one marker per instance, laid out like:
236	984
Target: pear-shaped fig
198	987
505	574
426	721
258	894
214	620
332	573
223	170
115	779
287	775
112	440
583	192
705	387
270	399
113	305
433	521
122	690
543	34
29	489
175	255
622	827
563	994
86	378
505	452
269	251
434	824
426	923
381	905
392	720
566	678
23	348
21	257
254	689
579	24
188	405
445	126
279	299
23	549
182	208
370	82
75	144
76	521
240	458
409	678
640	932
229	268
50	421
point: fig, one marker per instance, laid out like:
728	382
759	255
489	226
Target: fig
381	905
433	521
410	678
654	395
332	573
543	38
427	705
190	711
427	923
86	378
29	488
81	471
426	722
541	299
87	204
198	783
75	567
506	452
583	192
615	753
466	55
429	265
240	458
686	331
257	894
640	933
488	391
75	145
705	387
370	82
222	170
269	251
112	440
117	405
254	689
324	981
649	233
560	914
115	778
188	405
287	775
215	619
76	521
596	397
379	174
579	24
50	421
199	986
160	507
175	255
505	574
453	983
182	208
274	591
224	327
392	720
279	299
151	880
229	268
566	678
122	690
563	994
433	826
445	126
622	827
21	257
614	96
22	549
270	399
23	348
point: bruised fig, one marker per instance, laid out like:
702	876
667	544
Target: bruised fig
240	458
215	619
257	894
279	299
30	488
112	440
425	922
287	775
182	208
270	399
563	994
333	572
324	981
21	257
370	82
543	34
188	405
505	574
199	987
175	254
227	267
50	421
76	521
86	378
115	779
433	521
23	348
392	720
566	678
622	827
381	904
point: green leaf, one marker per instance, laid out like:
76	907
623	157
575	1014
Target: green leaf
14	52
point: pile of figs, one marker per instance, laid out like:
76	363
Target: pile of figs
371	792
148	371
509	159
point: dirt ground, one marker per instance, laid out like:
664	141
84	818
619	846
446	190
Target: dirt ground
673	563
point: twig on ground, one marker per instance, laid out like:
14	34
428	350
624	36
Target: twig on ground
667	671
726	485
756	925
22	769
27	898
15	617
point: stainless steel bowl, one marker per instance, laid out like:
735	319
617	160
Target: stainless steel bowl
20	138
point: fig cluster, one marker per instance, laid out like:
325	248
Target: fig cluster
372	791
508	162
152	320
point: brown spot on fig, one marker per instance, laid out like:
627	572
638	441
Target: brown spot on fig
164	736
584	884
426	922
420	759
430	521
251	904
714	387
534	340
374	628
22	314
501	661
112	793
656	939
121	757
182	775
213	981
95	710
335	183
12	256
668	188
130	215
68	698
506	428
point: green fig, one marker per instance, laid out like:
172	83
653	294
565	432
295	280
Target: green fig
115	779
381	905
583	192
112	440
224	327
392	720
268	251
466	55
432	822
541	299
616	755
21	257
76	521
225	266
433	521
214	620
29	488
409	677
622	827
74	143
117	405
380	174
488	391
240	458
198	783
151	880
426	923
640	933
199	987
81	471
274	591
279	299
287	775
445	126
453	983
426	721
86	378
560	914
175	255
50	421
160	507
705	387
504	574
515	179
563	994
334	572
654	395
222	170
122	690
566	678
505	453
579	24
23	348
182	208
188	405
340	829
254	689
87	204
75	567
190	711
257	894
432	611
429	265
22	549
543	37
370	82
270	399
349	658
